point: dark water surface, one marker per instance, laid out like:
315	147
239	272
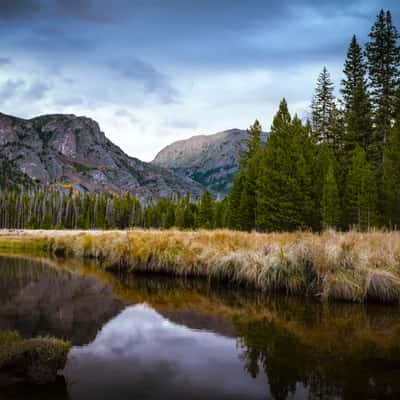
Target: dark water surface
154	337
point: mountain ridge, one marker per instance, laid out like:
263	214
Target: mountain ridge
65	148
211	160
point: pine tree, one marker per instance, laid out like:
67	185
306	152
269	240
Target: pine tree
324	158
247	207
304	151
360	199
252	144
249	169
169	218
322	107
337	124
330	204
284	192
221	209
383	55
356	100
190	216
392	178
269	195
206	211
234	197
180	215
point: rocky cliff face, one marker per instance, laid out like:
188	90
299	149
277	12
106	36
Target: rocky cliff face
70	149
211	160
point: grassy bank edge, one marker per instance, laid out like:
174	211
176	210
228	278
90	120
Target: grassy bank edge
353	266
35	360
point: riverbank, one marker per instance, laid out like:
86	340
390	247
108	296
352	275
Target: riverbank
354	267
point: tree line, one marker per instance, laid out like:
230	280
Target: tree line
340	169
42	209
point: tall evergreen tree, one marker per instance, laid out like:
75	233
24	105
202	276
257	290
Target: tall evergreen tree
391	184
247	207
383	55
242	197
249	166
252	144
330	204
360	199
206	211
322	107
324	158
234	200
221	208
284	185
356	100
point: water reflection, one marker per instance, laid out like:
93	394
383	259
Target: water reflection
36	299
143	354
197	340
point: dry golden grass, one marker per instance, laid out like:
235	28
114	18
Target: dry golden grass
349	266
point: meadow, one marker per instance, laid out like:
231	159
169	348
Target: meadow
352	266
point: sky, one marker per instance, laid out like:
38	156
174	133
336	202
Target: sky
155	71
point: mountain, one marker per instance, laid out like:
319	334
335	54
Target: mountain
11	177
210	160
66	149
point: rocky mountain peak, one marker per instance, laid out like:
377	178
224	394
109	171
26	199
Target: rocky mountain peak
211	160
63	148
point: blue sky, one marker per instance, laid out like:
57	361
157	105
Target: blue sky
154	71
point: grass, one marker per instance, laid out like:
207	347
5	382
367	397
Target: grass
35	360
353	266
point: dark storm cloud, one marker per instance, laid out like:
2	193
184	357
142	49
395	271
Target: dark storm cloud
223	34
66	36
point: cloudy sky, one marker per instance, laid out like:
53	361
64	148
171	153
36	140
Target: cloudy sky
154	71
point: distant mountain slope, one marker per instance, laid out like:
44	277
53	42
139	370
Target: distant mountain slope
11	177
211	160
70	149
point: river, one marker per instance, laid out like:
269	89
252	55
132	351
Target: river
158	337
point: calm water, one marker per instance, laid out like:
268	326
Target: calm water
148	337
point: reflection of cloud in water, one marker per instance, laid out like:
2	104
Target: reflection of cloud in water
139	353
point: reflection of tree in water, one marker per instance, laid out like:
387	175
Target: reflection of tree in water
361	370
276	351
